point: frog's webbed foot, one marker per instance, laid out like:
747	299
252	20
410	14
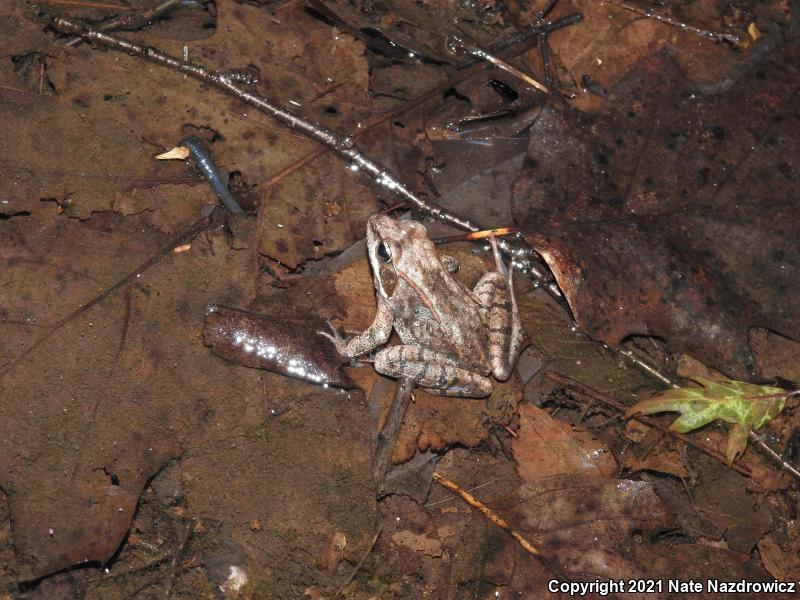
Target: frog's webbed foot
440	373
450	263
337	339
366	341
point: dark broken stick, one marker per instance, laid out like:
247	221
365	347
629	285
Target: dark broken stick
133	19
387	438
545	44
344	146
173	565
546	66
526	34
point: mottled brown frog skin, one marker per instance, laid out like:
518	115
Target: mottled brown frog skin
453	338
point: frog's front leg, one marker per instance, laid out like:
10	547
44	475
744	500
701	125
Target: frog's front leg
495	292
439	371
369	339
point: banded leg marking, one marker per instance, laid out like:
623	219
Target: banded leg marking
438	371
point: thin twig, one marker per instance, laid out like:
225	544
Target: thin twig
189	564
344	146
374	122
545	44
527	34
548	8
387	438
487	512
717	36
476	235
359	565
646	366
546	66
470	490
41	75
759	441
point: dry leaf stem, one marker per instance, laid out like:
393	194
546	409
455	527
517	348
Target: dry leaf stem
487	512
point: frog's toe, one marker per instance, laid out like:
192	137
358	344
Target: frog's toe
338	341
333	329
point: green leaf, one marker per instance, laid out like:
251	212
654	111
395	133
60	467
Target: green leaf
745	405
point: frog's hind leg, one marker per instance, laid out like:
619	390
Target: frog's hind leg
503	360
438	371
495	292
498	258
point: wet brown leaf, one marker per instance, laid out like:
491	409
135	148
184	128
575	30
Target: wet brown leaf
90	415
666	560
639	210
610	40
777	561
565	510
547	446
727	501
658	452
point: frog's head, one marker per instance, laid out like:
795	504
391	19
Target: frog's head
398	250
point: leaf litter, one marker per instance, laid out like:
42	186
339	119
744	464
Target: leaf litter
194	469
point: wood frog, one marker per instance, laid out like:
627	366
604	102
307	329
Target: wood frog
452	338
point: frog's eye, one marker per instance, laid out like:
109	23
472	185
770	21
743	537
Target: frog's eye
383	252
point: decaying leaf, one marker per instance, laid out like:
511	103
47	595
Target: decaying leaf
547	446
640	213
656	452
745	405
